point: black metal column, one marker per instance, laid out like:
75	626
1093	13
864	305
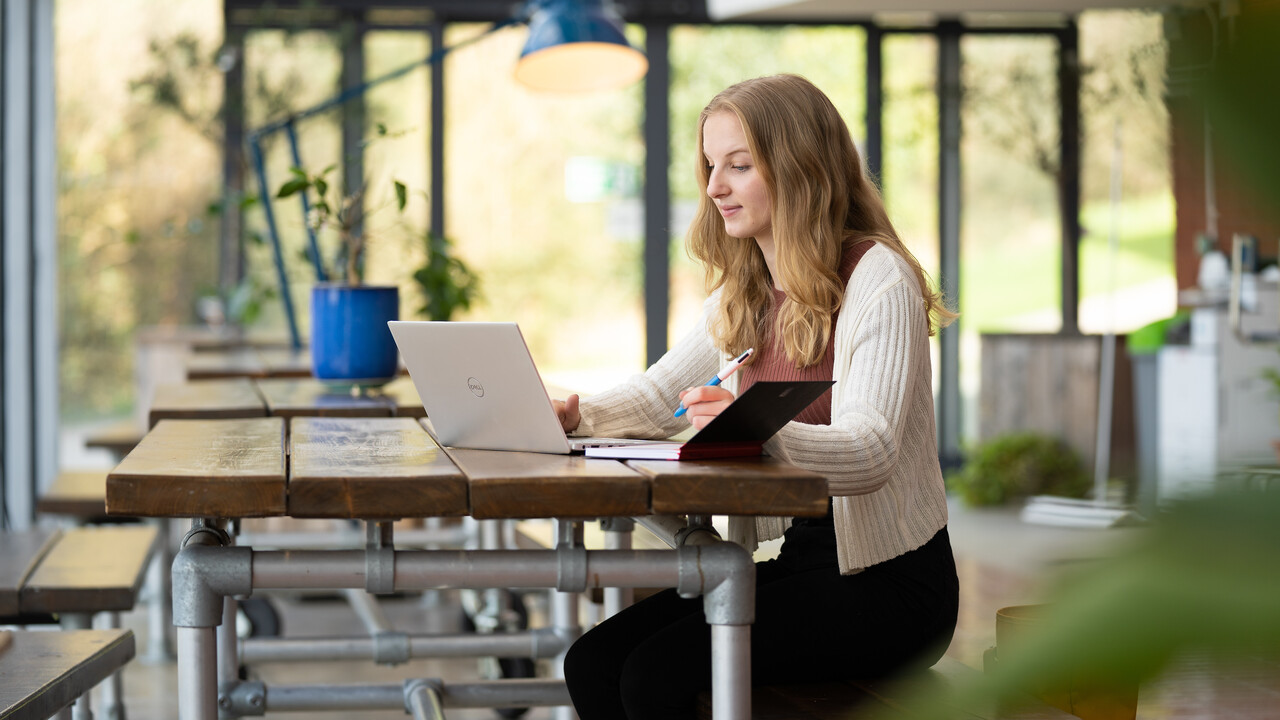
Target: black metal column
231	263
873	153
436	220
352	43
657	195
1069	173
949	178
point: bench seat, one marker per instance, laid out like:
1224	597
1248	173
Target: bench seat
78	570
81	494
45	672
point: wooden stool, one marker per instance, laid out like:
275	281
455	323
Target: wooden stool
79	494
74	574
45	672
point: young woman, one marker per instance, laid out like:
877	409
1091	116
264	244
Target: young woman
803	265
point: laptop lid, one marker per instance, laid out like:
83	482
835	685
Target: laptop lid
479	385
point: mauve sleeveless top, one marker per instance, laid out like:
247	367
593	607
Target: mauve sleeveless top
771	362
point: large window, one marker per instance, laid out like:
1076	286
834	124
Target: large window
543	202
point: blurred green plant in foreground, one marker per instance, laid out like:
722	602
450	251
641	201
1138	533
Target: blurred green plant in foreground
1205	576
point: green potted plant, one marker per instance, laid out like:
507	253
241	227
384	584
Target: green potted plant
351	345
448	285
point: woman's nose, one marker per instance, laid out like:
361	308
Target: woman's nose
715	187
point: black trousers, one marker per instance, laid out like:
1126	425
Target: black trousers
812	625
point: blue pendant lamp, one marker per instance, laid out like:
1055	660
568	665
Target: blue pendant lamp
577	46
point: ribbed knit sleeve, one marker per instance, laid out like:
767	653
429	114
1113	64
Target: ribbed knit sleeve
644	406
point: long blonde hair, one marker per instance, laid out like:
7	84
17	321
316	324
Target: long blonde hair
821	202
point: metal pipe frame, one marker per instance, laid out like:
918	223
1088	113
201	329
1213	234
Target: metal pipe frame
538	643
529	692
336	540
208	569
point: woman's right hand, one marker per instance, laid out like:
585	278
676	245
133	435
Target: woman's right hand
567	411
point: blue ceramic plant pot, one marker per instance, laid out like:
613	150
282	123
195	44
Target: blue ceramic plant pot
350	341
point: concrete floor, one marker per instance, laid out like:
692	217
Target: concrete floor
1001	562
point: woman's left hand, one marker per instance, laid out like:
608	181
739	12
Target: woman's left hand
704	403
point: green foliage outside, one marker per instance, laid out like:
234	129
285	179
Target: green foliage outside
447	283
1020	465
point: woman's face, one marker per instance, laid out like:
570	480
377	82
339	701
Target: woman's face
734	183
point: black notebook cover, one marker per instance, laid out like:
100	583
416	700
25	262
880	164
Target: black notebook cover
742	429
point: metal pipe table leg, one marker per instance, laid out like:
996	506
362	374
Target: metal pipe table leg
113	687
197	673
730	672
228	653
159	592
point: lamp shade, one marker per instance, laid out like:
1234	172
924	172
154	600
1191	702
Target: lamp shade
577	45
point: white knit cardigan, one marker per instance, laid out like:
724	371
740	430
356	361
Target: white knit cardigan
879	454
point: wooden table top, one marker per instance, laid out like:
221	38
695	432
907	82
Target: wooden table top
232	468
248	362
386	468
353	467
44	672
244	397
206	399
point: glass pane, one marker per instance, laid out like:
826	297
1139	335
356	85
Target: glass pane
139	161
543	202
909	181
287	72
706	60
1010	236
398	132
1125	125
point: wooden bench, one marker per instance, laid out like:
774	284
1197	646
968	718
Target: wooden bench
880	698
44	672
72	575
78	494
117	438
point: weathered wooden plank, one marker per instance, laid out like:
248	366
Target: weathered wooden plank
20	553
78	493
90	569
285	362
404	398
538	485
206	399
371	468
118	438
45	672
307	397
241	362
203	468
736	486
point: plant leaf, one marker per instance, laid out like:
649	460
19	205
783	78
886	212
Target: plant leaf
402	195
293	187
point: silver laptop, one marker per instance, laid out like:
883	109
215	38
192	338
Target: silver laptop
481	390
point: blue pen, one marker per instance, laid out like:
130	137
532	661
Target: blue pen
724	374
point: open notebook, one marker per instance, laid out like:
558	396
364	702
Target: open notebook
740	431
